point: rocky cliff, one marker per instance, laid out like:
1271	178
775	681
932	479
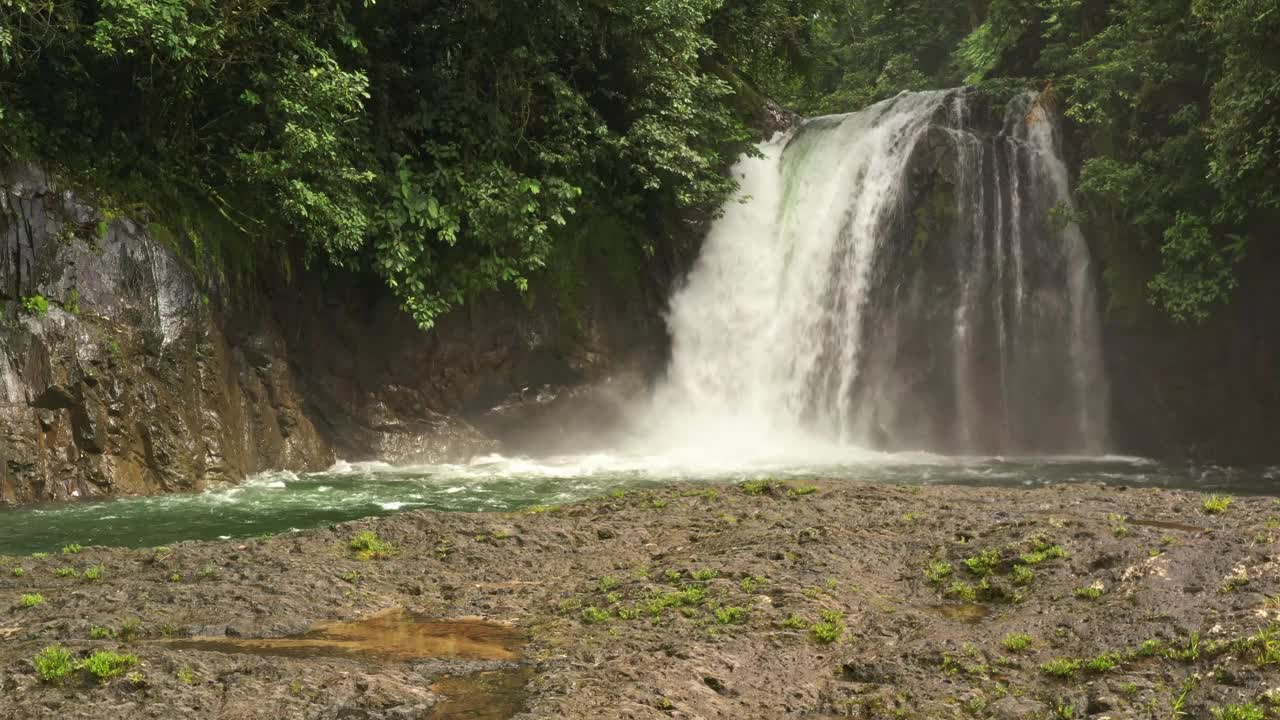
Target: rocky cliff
121	372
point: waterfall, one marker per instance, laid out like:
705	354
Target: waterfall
904	277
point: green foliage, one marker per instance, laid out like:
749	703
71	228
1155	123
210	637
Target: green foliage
72	549
830	628
1016	642
594	614
130	628
54	664
247	133
31	600
1101	664
239	131
1022	575
17	571
731	615
1091	592
1051	552
1247	711
1216	504
101	633
985	563
94	573
1061	667
795	622
368	546
757	487
105	665
35	305
687	597
937	571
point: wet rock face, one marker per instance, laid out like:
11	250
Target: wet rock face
136	381
126	384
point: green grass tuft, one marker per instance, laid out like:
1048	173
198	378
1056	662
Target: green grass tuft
368	546
984	563
937	571
53	664
1061	667
1215	504
1016	642
104	665
830	629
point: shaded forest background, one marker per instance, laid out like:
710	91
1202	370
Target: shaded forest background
450	148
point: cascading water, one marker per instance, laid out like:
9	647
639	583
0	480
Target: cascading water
896	279
904	277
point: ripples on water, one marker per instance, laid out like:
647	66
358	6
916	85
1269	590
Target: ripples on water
275	502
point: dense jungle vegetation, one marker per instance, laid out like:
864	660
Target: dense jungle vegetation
450	146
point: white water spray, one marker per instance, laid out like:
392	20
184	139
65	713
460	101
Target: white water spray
825	314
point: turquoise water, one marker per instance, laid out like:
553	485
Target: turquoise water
278	502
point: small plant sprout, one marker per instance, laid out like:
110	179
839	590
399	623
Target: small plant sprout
1022	575
731	615
1091	592
830	629
93	574
593	614
1016	642
937	571
72	549
105	665
795	622
1248	711
1061	667
1043	553
31	600
18	572
984	563
368	546
1216	504
53	664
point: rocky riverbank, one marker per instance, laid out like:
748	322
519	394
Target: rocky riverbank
752	601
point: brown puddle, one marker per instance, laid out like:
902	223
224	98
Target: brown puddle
971	614
487	695
390	635
400	635
1168	525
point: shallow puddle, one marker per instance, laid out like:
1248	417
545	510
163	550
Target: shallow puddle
970	614
488	695
391	635
1168	525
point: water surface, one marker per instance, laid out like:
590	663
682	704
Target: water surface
282	502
